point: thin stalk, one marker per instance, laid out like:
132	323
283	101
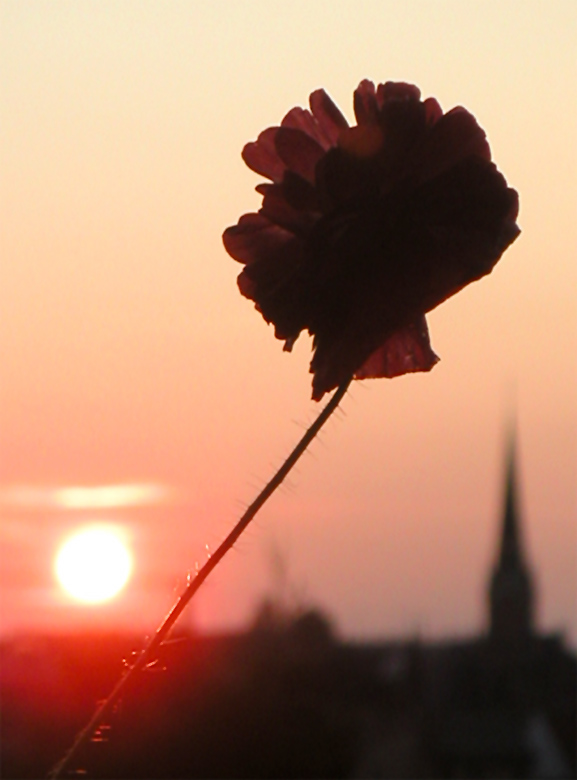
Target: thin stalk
149	652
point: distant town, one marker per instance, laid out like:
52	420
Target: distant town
287	699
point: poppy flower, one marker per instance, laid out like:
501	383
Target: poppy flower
364	229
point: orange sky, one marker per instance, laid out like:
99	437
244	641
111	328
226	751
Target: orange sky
128	356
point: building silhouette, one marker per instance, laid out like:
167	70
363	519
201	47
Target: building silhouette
503	704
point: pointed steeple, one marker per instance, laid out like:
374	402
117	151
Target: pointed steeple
510	543
511	589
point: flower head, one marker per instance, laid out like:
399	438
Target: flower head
364	229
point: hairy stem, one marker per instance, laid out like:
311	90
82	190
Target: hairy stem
148	653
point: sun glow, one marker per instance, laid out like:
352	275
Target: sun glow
94	564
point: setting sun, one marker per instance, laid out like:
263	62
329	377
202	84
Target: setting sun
94	564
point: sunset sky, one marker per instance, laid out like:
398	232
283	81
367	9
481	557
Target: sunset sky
140	389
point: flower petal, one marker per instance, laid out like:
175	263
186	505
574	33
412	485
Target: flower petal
301	194
433	111
254	238
397	92
301	119
273	282
365	103
407	350
330	119
262	157
277	208
454	137
298	151
461	223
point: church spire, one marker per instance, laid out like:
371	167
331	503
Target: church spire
510	543
511	590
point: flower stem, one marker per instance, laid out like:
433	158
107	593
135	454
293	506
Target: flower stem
148	653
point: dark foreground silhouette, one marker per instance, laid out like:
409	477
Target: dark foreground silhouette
287	699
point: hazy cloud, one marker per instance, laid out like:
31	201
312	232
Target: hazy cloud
86	497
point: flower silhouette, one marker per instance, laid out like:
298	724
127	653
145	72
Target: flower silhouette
364	229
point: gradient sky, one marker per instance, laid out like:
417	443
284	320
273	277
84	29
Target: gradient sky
130	359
